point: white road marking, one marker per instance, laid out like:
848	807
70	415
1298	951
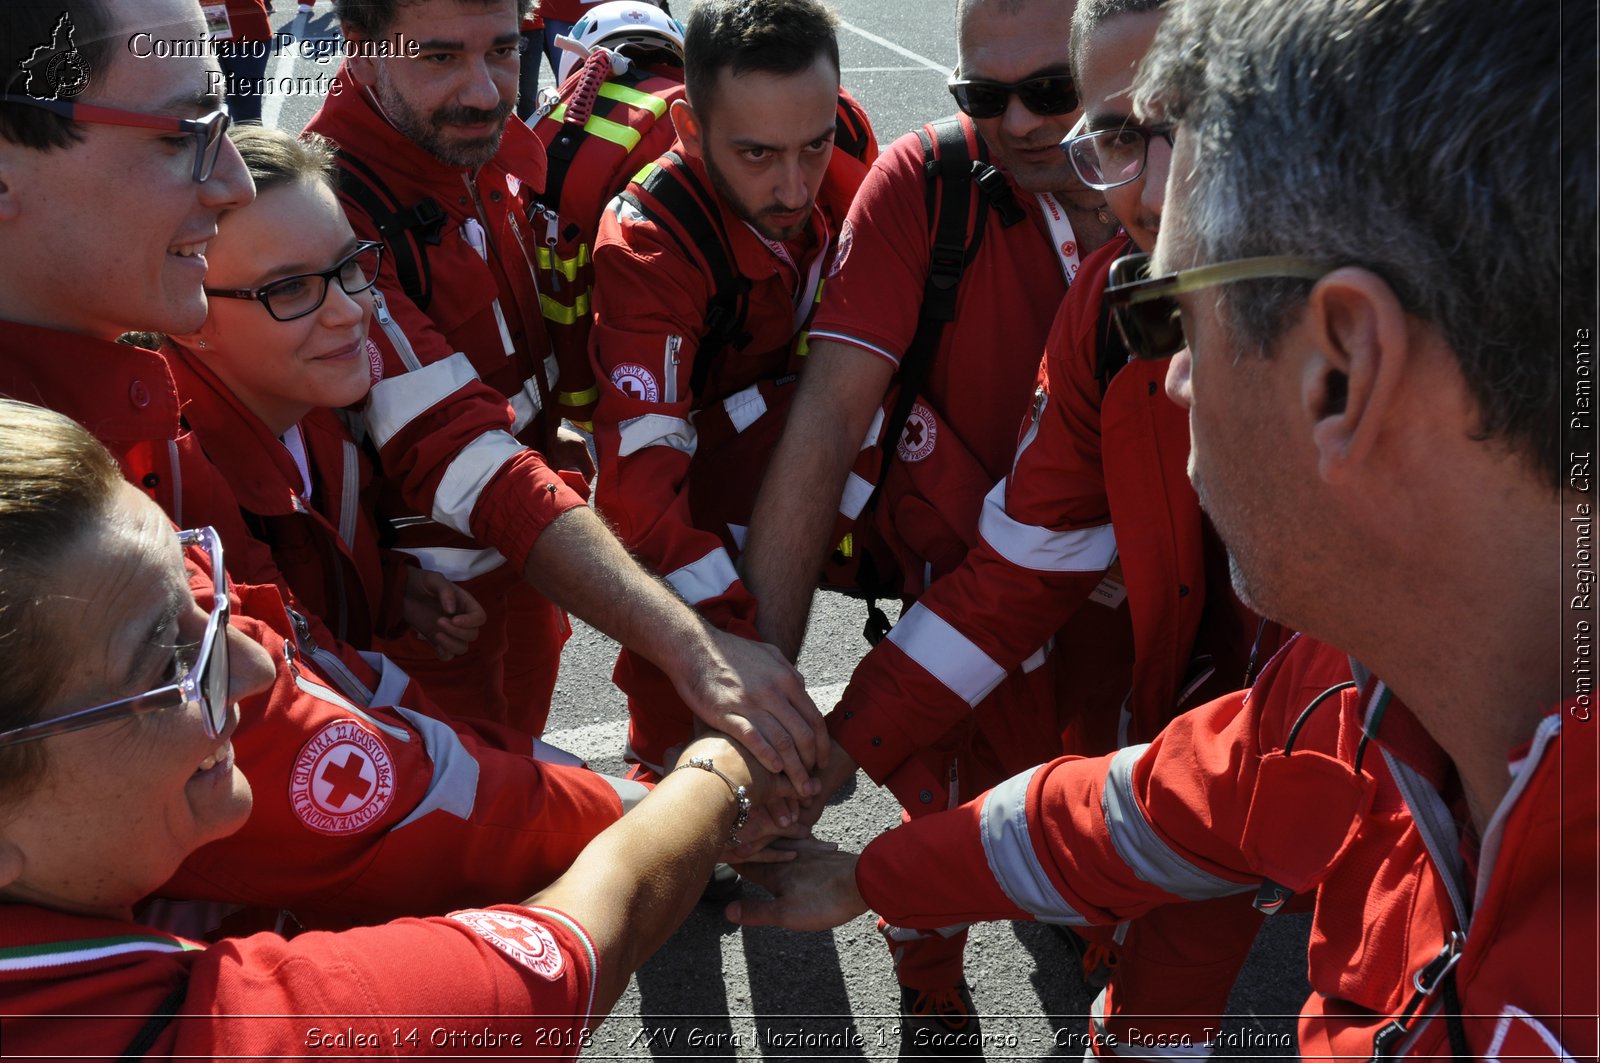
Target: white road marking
884	42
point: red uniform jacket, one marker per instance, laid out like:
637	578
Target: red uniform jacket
325	548
459	416
1096	539
501	982
1213	806
361	796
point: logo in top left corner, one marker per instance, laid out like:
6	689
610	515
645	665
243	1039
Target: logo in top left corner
58	70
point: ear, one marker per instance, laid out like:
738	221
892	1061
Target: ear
11	863
1351	386
690	131
363	66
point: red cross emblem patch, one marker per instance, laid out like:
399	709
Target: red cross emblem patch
919	435
343	779
527	942
636	382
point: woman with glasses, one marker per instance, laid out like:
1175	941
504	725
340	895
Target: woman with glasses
119	693
284	348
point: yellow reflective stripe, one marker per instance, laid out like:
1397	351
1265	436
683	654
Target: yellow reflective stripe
847	546
624	136
643	100
578	398
802	346
560	113
562	314
568	267
639	177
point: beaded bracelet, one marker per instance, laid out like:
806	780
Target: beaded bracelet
741	796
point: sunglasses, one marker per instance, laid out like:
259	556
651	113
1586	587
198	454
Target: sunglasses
202	680
208	133
301	294
1145	308
1047	94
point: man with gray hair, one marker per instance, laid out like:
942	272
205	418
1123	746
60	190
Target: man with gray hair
1368	360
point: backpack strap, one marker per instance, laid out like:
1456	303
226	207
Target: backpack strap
404	230
158	1021
675	193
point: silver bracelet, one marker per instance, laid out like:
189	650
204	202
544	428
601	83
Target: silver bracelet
741	796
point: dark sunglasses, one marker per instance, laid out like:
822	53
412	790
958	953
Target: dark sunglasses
1146	310
1047	94
201	671
207	133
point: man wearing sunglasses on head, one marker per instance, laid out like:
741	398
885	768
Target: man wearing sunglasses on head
1016	97
1377	384
367	795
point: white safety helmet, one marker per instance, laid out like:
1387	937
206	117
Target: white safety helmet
627	27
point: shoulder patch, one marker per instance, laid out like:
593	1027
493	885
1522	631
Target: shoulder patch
636	382
526	941
343	779
842	248
374	362
919	435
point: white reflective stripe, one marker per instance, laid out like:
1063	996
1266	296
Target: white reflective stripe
656	430
1008	847
1147	856
856	493
1043	549
396	401
906	933
453	786
947	654
505	333
332	697
874	430
454	563
1036	660
705	578
392	679
738	532
525	406
745	407
552	371
350	497
469	473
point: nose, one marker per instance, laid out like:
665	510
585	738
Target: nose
791	189
1178	388
250	667
1018	121
1157	163
481	89
229	186
340	310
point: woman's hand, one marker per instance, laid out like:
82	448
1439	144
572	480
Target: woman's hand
441	613
814	891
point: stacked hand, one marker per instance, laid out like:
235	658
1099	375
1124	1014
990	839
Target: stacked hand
441	613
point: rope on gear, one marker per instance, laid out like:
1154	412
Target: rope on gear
596	68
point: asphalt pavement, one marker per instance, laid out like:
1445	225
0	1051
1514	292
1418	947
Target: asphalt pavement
716	991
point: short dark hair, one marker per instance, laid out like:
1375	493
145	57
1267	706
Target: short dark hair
26	26
372	18
56	484
746	36
1422	139
1088	16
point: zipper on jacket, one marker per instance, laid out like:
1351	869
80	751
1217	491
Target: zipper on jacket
328	662
391	328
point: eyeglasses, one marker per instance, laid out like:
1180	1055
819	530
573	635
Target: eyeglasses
1146	311
1107	158
204	682
1045	95
303	293
208	132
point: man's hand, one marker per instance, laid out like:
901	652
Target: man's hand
442	614
747	690
571	452
815	891
839	767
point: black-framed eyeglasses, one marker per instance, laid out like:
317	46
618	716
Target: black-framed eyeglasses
208	132
1047	94
1107	158
301	294
202	677
1146	310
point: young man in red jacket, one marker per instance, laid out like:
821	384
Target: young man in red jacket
1376	386
462	420
707	267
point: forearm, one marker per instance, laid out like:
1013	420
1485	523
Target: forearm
798	504
636	882
581	566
